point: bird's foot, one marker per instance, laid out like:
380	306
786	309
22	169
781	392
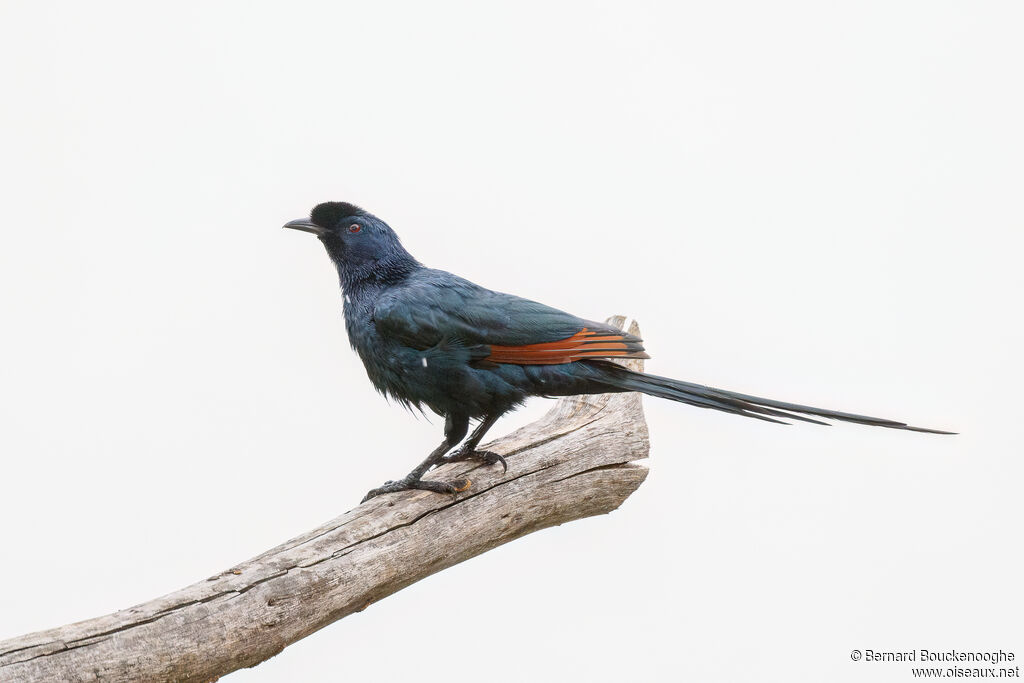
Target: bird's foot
470	455
418	484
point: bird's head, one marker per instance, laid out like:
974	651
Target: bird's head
360	244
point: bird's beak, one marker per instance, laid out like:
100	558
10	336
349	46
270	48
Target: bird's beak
305	225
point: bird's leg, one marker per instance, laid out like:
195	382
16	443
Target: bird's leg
468	449
454	429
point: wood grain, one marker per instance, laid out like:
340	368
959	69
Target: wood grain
577	461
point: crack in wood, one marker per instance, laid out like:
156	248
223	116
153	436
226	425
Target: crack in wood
223	623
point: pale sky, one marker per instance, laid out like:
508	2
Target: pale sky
815	202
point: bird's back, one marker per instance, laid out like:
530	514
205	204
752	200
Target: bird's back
436	338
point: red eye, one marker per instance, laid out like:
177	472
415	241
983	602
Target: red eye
354	228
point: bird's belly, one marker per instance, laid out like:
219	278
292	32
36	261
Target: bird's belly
441	377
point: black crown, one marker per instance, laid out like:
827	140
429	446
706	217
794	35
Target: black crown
328	214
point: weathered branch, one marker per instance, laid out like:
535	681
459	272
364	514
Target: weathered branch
577	461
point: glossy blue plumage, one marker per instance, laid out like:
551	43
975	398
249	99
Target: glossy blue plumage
432	339
424	334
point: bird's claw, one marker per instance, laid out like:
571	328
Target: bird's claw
483	457
450	488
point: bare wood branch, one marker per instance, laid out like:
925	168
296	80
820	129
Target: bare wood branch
577	461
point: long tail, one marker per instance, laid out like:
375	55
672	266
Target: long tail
767	409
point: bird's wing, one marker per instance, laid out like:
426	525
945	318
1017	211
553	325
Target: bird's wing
442	307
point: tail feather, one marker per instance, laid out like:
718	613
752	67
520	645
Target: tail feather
739	404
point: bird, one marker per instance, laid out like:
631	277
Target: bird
470	354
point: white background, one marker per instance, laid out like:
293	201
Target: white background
818	202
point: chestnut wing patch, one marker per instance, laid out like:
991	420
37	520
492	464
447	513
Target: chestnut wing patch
584	344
